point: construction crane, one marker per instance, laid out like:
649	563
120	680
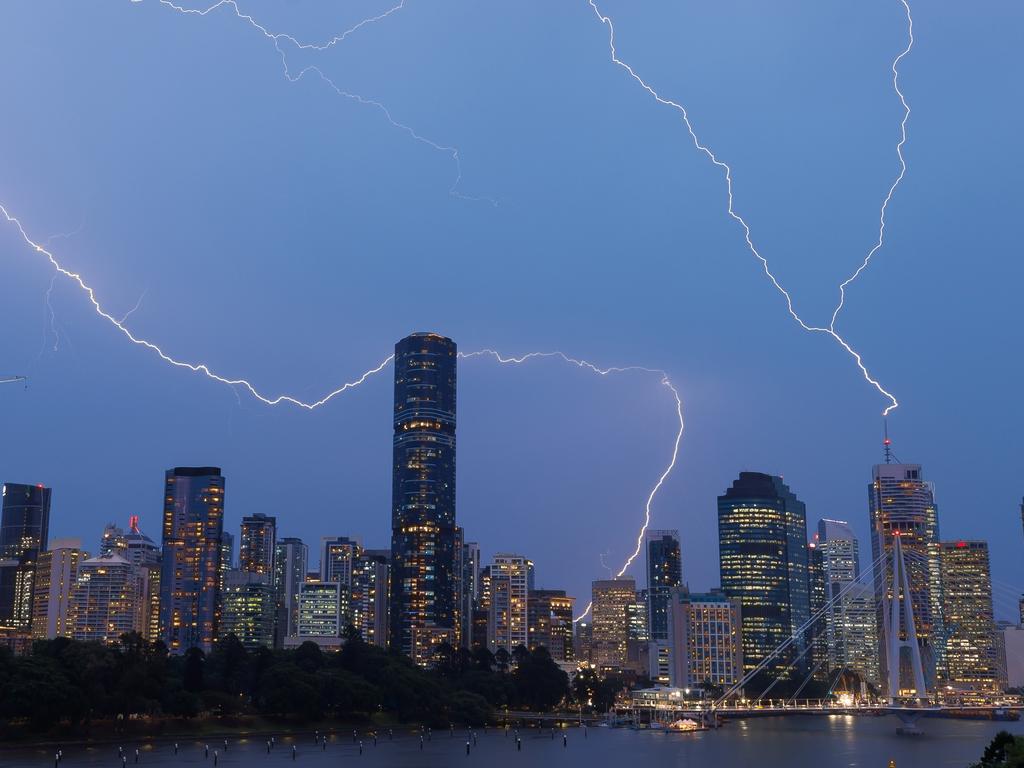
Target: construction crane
13	378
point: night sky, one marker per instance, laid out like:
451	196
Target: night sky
285	234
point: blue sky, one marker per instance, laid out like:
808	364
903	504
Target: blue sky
287	235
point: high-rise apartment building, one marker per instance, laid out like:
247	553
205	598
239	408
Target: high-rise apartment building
290	565
550	622
247	608
901	502
423	536
56	572
762	540
322	610
371	577
109	599
972	658
817	634
610	613
141	551
24	532
664	571
705	638
256	545
337	556
508	618
192	560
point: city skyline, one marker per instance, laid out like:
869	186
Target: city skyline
299	302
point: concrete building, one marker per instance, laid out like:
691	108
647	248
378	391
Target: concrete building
109	599
248	608
706	639
972	657
610	613
56	572
511	578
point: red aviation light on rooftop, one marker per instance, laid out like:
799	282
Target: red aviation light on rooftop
961	544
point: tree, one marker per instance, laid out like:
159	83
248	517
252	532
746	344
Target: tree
192	678
540	684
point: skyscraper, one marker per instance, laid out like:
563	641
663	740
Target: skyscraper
24	532
901	503
192	557
56	572
664	571
337	554
706	639
108	600
256	545
851	634
817	636
248	608
290	563
972	660
423	578
550	620
762	540
508	620
611	599
371	575
469	590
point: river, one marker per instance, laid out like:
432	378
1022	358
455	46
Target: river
791	742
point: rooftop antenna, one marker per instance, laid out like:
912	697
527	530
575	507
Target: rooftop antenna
887	443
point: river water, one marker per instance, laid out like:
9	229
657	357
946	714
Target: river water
791	742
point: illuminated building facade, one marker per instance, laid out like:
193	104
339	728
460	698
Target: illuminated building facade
612	599
423	535
901	502
550	622
817	632
192	560
139	550
322	609
24	532
371	576
468	591
851	632
56	573
664	571
762	540
508	622
972	658
256	545
290	564
706	639
248	607
108	600
337	556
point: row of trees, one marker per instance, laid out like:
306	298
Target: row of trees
64	680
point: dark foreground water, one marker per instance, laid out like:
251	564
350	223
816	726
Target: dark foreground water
821	742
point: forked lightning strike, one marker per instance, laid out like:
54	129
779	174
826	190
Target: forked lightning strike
830	330
312	405
276	39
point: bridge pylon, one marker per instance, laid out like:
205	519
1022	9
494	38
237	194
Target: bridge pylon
900	631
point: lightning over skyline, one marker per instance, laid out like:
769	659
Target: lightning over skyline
829	330
314	404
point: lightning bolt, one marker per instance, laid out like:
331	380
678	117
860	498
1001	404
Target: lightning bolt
277	38
830	330
314	404
665	380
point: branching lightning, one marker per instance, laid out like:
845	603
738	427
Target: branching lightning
705	149
276	38
312	405
665	380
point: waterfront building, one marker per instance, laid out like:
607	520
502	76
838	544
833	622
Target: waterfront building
109	600
256	545
550	622
423	577
611	601
972	653
24	533
706	639
762	539
817	635
248	608
371	577
901	502
192	560
290	564
664	571
511	578
56	572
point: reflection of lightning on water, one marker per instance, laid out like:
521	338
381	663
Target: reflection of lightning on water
830	330
277	38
